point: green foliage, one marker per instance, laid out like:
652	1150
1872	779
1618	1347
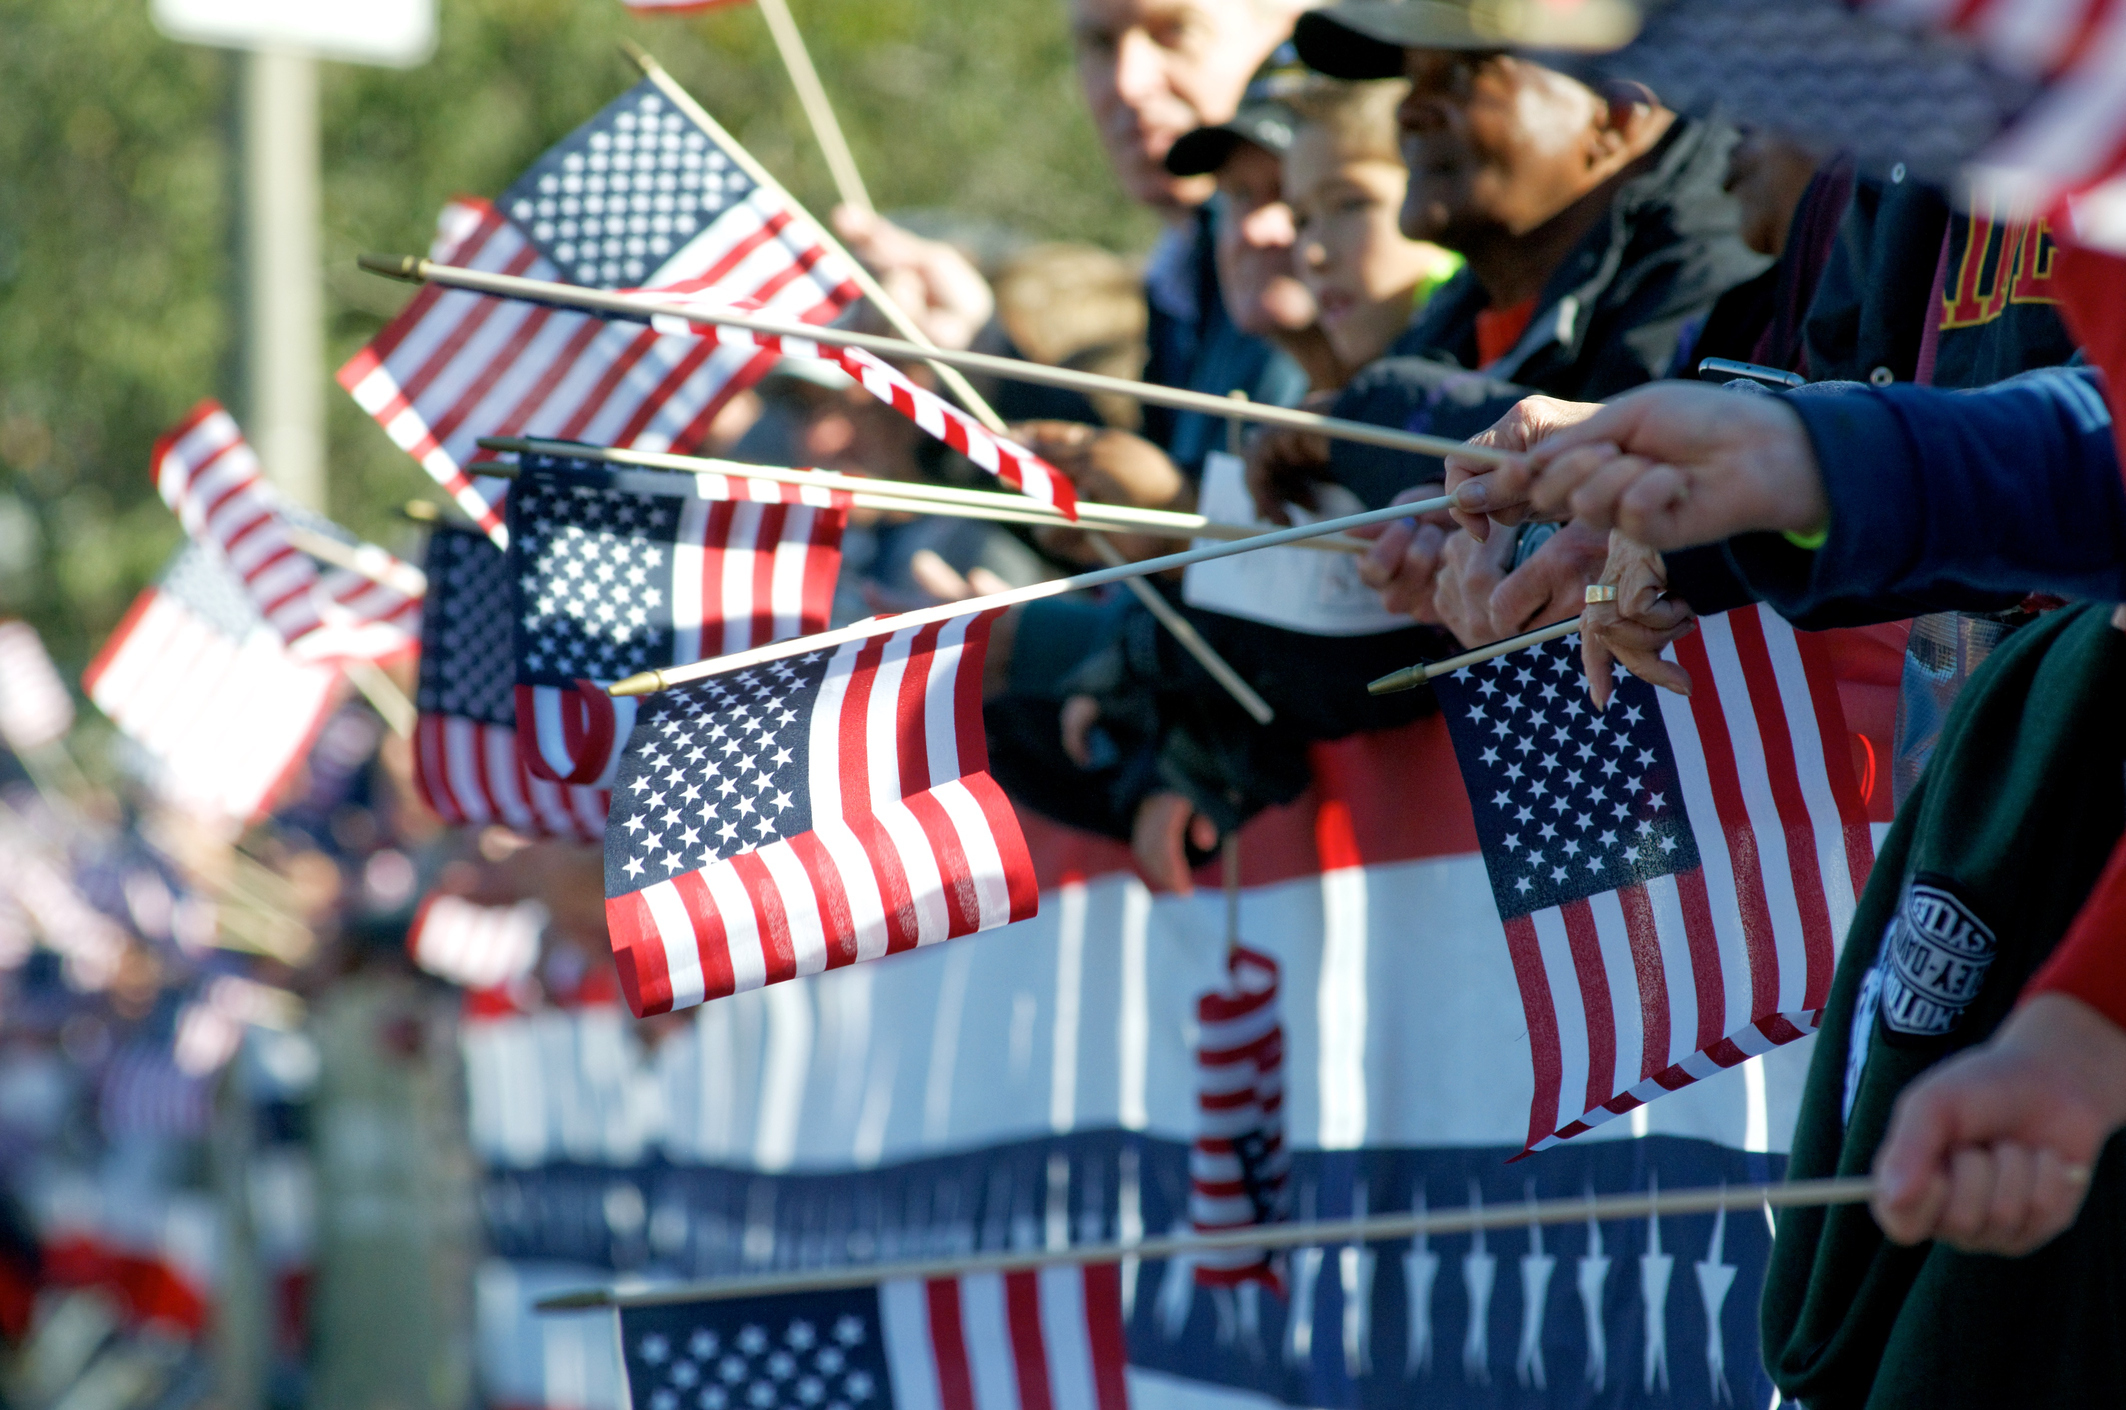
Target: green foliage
117	213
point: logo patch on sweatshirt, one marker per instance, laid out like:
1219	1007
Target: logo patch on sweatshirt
1933	960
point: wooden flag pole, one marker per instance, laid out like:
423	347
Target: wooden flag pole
1322	1233
1017	508
883	501
823	123
790	43
650	682
1411	677
639	308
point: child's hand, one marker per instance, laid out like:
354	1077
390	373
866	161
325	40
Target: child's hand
1283	468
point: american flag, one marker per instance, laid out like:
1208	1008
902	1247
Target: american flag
197	677
476	946
1238	1165
465	761
638	195
1046	1340
35	709
1002	457
209	476
615	572
1672	873
807	814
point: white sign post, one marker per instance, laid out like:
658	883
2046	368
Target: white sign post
394	33
284	295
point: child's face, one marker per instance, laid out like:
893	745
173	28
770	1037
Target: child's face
1351	254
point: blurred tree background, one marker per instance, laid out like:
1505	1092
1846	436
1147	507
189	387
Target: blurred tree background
118	212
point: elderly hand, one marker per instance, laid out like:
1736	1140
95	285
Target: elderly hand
1482	598
1109	467
1991	1151
1498	493
1405	556
937	285
1637	627
1671	465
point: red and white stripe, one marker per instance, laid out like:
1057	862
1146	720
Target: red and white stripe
2064	157
209	476
455	366
227	720
35	709
1645	989
753	562
33	876
1239	1103
1006	459
1050	1339
469	772
678	7
475	946
911	842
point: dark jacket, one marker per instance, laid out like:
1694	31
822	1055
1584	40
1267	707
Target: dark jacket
1609	320
1901	248
1611	317
1953	499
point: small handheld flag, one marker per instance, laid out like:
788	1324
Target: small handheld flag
1049	1338
640	194
209	476
1673	873
809	814
200	680
614	572
465	760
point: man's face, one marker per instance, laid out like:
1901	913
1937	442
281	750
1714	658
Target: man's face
1263	294
1155	69
1495	145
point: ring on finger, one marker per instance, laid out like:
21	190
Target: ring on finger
1600	592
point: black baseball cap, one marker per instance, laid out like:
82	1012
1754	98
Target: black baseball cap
1265	117
1361	39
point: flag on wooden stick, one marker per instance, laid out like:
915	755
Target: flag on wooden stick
638	195
617	571
808	814
209	476
203	683
1050	1338
465	761
1002	457
1673	873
